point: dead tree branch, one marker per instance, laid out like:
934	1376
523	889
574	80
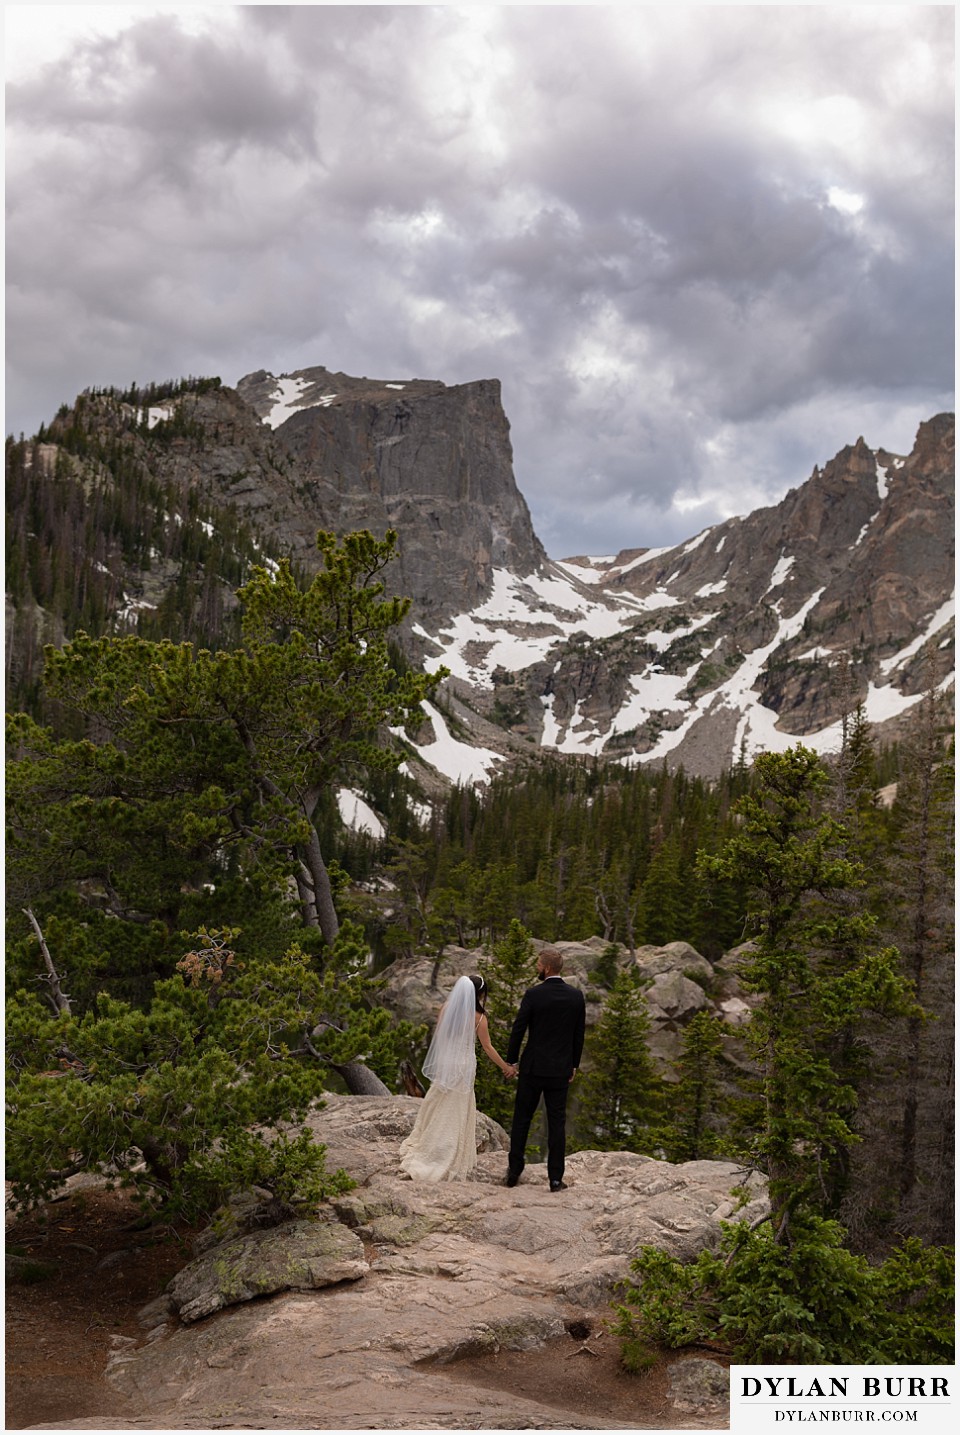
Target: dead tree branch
58	997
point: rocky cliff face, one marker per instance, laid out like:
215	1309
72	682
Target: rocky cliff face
868	535
433	462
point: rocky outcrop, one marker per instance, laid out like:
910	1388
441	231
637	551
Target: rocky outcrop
455	1270
299	1255
432	461
677	984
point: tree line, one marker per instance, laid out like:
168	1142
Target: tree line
87	519
573	847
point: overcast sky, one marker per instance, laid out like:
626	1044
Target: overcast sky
701	247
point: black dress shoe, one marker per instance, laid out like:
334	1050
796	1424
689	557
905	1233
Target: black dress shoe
510	1179
558	1185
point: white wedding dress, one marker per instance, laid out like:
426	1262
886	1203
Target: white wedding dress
443	1143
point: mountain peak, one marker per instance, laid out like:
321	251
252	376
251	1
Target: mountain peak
431	460
752	634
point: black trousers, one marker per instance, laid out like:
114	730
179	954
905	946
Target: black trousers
554	1093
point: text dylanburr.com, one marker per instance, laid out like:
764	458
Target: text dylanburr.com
766	1398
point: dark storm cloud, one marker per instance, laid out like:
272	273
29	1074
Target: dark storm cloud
699	246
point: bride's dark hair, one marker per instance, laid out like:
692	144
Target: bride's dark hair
481	987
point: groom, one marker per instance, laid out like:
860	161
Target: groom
553	1016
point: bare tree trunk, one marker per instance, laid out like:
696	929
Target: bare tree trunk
409	1080
360	1080
602	908
60	1000
313	879
308	904
325	912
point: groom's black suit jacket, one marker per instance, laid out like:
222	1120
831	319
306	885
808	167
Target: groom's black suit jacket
553	1014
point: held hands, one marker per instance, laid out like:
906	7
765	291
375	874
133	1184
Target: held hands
510	1071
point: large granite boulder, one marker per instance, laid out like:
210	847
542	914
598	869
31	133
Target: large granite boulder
672	997
299	1255
674	958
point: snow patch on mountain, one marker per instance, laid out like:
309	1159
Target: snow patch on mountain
523	619
460	762
653	691
660	639
572	738
757	725
943	615
587	570
647	557
286	394
287	400
779	574
695	542
606	570
526	620
357	814
129	609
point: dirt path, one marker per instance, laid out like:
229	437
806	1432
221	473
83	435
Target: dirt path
77	1273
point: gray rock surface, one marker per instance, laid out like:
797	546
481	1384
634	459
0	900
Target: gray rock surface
864	548
779	617
299	1255
453	1270
674	957
673	997
696	1383
434	462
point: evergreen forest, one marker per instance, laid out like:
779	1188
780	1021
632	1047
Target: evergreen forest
196	943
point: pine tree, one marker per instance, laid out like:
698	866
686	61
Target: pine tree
855	802
621	1097
238	747
786	851
661	897
924	864
794	1292
696	1099
187	1098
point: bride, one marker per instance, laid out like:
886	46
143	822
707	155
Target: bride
443	1143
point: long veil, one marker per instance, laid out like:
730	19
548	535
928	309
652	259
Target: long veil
451	1059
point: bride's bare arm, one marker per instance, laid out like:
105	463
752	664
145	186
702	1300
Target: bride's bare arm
483	1032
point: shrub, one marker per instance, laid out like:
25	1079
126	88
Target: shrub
809	1302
